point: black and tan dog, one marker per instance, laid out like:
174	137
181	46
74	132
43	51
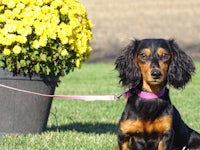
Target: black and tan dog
149	120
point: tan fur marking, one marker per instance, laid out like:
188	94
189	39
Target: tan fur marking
147	51
160	146
160	51
125	145
163	124
130	126
160	125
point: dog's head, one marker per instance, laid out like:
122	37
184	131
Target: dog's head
152	63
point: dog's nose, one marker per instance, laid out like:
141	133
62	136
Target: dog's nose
156	74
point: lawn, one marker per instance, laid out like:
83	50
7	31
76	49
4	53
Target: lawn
81	125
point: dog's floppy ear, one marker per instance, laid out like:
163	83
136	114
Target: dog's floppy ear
181	67
128	69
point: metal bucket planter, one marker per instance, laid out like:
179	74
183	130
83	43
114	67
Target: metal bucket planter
22	113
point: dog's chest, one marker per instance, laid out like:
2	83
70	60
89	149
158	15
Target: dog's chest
136	127
146	119
146	109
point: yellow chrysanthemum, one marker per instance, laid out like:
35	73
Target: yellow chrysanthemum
20	6
43	41
39	2
6	51
16	11
47	1
10	27
64	10
9	14
25	1
64	40
64	52
3	18
78	63
23	31
21	39
56	3
36	44
2	8
9	39
17	49
11	4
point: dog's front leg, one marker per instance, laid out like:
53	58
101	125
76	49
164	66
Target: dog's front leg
167	141
123	140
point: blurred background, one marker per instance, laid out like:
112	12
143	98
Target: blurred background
116	22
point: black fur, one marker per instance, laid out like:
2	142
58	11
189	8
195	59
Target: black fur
181	67
129	72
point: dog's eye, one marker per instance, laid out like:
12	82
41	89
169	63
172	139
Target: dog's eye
143	56
165	56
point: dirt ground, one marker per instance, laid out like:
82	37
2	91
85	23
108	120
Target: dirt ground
116	22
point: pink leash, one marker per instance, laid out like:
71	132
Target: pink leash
75	97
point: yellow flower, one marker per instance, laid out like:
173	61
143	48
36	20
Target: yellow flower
47	1
56	3
21	39
78	63
36	44
11	4
66	29
9	14
25	1
10	27
51	30
39	28
20	6
9	39
39	2
2	18
16	11
74	22
64	40
90	23
23	31
42	16
17	49
43	41
45	9
6	51
1	8
64	10
64	52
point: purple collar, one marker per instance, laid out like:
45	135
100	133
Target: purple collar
145	95
149	95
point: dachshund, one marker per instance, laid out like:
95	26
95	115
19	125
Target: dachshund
150	121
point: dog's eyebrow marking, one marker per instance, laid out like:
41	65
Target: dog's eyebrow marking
160	51
160	125
147	51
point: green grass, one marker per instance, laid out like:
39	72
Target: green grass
80	125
